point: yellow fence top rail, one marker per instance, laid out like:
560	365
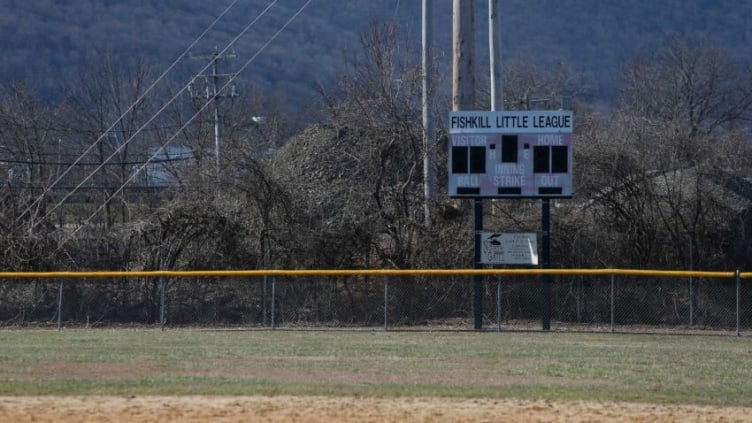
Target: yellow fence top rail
370	272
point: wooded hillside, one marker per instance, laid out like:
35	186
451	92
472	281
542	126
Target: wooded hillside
45	40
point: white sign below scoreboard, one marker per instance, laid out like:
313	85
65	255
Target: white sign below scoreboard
508	248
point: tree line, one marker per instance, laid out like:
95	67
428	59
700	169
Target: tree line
661	176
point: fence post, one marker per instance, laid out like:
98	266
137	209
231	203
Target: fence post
263	301
691	294
60	305
691	303
386	302
612	303
546	263
161	303
738	298
274	298
498	302
162	260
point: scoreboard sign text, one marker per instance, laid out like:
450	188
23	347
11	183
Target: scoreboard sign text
510	154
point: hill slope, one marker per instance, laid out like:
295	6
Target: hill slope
46	40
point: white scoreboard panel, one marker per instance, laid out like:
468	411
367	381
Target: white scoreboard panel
510	154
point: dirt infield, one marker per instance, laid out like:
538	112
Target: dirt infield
343	409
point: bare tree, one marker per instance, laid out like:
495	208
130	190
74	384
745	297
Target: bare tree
369	158
108	113
665	171
699	87
30	131
529	86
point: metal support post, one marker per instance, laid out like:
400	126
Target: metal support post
546	259
429	156
267	260
691	294
274	300
263	300
60	306
162	281
612	303
738	301
162	285
478	279
498	303
386	303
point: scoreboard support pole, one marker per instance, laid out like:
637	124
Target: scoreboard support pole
478	279
546	263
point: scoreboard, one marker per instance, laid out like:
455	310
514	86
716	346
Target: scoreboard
510	154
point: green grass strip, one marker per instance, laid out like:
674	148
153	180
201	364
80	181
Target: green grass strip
557	366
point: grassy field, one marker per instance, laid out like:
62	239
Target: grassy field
713	370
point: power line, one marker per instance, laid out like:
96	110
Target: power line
242	68
154	116
74	164
132	106
81	131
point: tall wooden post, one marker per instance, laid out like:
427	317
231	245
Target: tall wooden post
463	98
463	64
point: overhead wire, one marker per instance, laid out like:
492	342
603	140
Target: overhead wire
178	157
196	114
128	110
150	120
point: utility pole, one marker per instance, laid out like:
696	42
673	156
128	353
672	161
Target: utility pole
429	172
494	47
463	98
497	93
463	64
211	92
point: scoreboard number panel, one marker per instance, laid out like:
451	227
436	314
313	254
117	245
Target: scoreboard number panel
510	154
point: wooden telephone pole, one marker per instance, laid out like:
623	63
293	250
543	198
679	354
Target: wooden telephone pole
463	64
463	98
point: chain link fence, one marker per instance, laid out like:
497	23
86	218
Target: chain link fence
410	300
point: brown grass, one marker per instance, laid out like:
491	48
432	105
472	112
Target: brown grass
343	409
